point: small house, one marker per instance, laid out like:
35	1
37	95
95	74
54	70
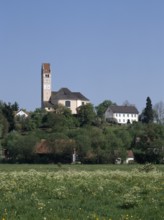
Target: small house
21	113
130	157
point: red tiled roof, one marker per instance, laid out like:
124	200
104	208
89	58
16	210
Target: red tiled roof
42	147
130	154
46	68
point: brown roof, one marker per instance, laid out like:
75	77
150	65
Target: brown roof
42	147
130	154
46	68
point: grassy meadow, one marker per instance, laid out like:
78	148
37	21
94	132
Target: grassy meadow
77	192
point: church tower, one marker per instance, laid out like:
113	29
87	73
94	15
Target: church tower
45	83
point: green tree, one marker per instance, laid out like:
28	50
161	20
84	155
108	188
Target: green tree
61	147
118	141
20	148
148	113
8	111
53	122
15	106
10	144
99	145
83	142
3	126
101	108
59	120
86	114
30	123
149	145
124	136
37	116
26	145
3	131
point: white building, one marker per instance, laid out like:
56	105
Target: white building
64	96
21	113
122	114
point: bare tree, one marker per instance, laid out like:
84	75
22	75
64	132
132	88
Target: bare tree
127	103
159	112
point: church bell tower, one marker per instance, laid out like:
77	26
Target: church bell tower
45	83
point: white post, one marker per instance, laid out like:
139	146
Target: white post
74	156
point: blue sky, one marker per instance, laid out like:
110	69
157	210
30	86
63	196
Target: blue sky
105	49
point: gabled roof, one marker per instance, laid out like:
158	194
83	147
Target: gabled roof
21	113
123	109
64	94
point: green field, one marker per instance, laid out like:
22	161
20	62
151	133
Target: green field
72	192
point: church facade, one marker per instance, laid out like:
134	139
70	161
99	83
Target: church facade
64	96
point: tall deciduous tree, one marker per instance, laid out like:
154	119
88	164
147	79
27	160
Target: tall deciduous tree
101	108
86	114
3	126
20	148
148	146
8	111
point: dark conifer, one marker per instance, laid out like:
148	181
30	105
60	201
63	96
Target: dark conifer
148	114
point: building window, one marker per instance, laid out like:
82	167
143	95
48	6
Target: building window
68	104
47	75
82	103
